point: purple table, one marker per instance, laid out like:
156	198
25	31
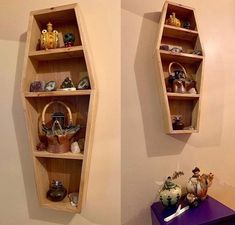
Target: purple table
209	212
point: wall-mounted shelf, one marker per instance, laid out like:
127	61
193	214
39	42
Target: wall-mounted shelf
57	64
186	105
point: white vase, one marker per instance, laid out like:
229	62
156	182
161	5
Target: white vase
170	193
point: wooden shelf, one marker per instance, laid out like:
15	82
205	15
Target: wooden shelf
183	131
180	57
180	96
186	106
57	93
58	53
61	206
78	106
179	33
68	155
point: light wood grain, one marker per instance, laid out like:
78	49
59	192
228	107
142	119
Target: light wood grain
186	105
184	96
180	57
68	155
57	93
58	53
57	64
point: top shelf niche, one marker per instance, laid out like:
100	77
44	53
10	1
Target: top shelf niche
63	21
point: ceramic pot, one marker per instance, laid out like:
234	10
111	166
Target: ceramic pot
170	193
57	191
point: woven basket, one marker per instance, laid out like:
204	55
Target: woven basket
58	139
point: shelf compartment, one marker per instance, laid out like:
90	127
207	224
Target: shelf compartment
68	171
183	13
58	53
180	57
56	70
79	107
180	96
188	110
57	93
67	155
63	21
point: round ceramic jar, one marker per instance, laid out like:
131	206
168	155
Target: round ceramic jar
170	193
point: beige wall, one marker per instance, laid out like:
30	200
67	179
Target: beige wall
148	155
18	195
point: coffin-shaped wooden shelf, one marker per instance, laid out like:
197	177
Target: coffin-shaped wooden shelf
186	105
55	65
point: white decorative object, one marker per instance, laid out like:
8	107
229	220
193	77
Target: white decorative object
192	91
73	197
75	147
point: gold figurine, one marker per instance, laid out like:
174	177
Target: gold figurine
173	21
49	38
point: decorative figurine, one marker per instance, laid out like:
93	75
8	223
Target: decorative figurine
59	116
173	21
37	86
84	83
69	39
49	38
73	197
50	86
57	191
75	147
186	25
177	123
171	192
67	85
197	186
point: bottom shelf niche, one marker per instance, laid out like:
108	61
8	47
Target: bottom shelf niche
188	110
68	171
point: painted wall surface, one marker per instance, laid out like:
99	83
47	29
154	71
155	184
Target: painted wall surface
18	194
149	155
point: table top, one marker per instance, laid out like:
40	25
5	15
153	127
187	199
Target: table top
210	211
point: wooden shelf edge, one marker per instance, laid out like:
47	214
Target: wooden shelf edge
186	55
194	32
68	155
183	131
61	206
55	51
57	93
180	5
182	96
53	9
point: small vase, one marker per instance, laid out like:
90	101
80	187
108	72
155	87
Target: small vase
57	191
170	193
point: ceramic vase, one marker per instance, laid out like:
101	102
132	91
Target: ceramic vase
170	193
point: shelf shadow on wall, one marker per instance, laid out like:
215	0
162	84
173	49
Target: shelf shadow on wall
34	210
157	142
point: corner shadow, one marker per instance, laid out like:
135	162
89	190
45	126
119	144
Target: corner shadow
157	142
34	210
